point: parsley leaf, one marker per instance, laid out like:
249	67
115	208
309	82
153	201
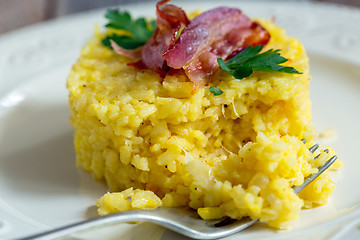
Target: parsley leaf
250	60
139	29
216	91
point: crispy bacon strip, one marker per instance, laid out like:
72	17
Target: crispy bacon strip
169	15
169	20
220	32
133	53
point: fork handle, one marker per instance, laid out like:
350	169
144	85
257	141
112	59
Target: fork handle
152	216
121	217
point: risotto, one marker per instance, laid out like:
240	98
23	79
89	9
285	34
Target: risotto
156	142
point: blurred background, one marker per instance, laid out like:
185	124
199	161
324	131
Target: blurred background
15	14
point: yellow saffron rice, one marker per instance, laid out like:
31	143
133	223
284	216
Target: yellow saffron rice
154	143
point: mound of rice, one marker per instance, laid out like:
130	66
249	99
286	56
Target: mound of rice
155	143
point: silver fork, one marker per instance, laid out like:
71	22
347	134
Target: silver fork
181	220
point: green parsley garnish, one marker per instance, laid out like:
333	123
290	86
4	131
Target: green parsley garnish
250	60
139	29
216	91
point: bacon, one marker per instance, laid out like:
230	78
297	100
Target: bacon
218	33
170	19
133	53
169	15
195	46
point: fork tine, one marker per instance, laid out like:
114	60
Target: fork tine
313	176
297	189
314	147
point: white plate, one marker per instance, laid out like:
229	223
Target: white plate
40	186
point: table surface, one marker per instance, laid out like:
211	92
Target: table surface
15	14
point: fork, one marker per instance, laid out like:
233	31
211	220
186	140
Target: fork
181	220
